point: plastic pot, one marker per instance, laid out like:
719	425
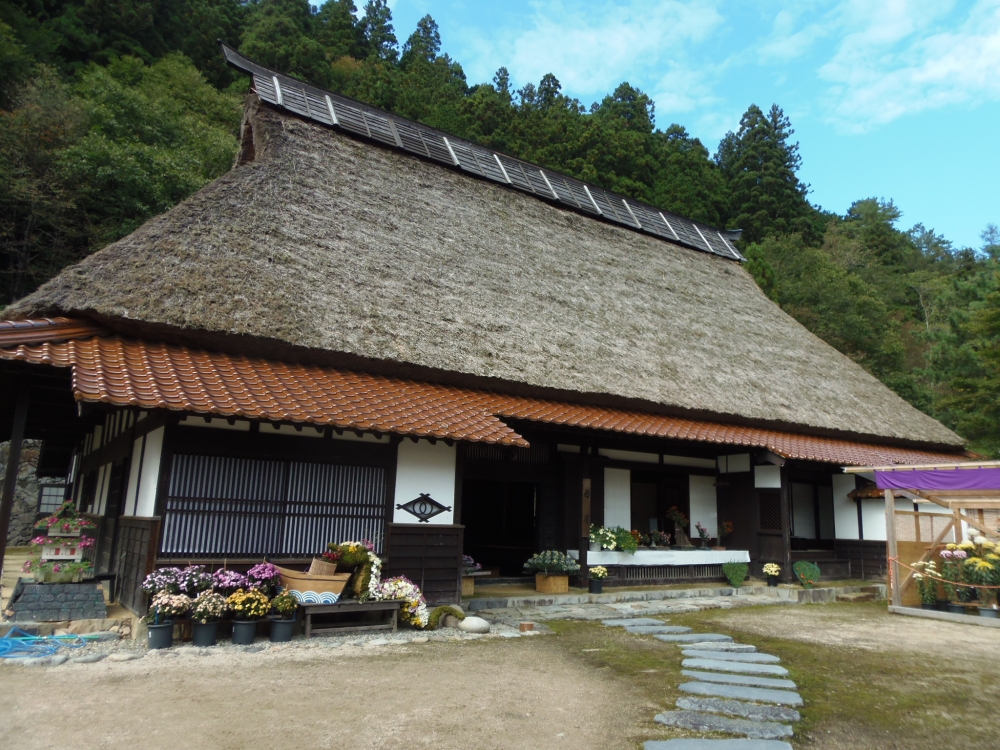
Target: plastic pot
989	612
244	631
160	636
956	609
772	581
596	585
929	606
204	633
282	630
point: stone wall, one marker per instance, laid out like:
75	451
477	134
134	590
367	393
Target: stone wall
22	517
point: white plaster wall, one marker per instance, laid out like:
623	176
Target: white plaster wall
423	468
146	505
767	477
647	458
845	510
103	484
873	516
618	498
704	507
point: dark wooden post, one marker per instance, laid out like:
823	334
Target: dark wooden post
13	462
786	526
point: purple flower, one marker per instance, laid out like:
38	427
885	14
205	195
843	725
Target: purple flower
229	579
959	554
946	554
163	579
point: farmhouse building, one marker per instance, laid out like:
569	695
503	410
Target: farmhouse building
371	329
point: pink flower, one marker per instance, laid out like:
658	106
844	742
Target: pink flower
946	554
959	554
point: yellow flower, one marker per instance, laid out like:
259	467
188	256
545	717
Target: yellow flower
966	545
951	546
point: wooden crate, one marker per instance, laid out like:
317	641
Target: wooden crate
468	585
552	584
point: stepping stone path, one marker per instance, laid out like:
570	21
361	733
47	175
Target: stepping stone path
735	691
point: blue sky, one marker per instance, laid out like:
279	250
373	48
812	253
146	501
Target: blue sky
894	99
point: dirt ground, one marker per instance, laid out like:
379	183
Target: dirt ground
525	693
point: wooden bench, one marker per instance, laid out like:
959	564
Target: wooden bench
390	608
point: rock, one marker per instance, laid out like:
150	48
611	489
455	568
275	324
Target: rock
656	629
719	665
474	625
88	659
701	653
510	635
693	638
739	708
124	656
742	648
437	638
689	744
699	722
740	679
854	598
762	695
57	659
36	661
626	621
420	639
449	621
256	649
377	642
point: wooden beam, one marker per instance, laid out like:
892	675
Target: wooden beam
914	467
896	594
13	462
930	550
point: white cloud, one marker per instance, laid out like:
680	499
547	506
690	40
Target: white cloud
898	58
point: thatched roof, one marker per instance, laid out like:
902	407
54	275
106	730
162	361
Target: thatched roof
329	249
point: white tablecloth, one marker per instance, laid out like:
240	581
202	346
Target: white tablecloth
664	557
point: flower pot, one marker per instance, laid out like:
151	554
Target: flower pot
772	581
594	547
956	609
942	605
204	633
596	585
244	631
282	630
989	612
160	636
929	606
468	585
557	583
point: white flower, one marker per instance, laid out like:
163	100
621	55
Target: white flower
980	540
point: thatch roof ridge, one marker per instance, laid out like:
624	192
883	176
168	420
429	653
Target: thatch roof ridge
329	244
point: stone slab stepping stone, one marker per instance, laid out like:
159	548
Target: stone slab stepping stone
718	665
656	629
688	744
88	659
693	638
742	648
739	692
703	653
626	621
740	679
124	656
699	722
753	711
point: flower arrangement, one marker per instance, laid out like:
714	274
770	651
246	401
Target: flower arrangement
360	558
470	566
985	573
772	569
162	579
599	572
249	604
208	607
659	538
551	562
228	581
331	556
615	538
952	559
194	579
55	571
166	606
285	605
604	537
726	529
639	537
702	533
414	609
675	515
83	542
266	577
64	522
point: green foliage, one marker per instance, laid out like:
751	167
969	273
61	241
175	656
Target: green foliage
808	573
438	613
551	561
736	573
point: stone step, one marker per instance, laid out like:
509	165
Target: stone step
656	629
703	653
626	621
691	744
761	695
739	679
718	665
742	648
854	598
742	709
693	638
699	722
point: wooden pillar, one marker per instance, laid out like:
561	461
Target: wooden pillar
584	529
786	526
895	595
13	462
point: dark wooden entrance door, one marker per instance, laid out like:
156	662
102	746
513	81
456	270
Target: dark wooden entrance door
500	520
109	528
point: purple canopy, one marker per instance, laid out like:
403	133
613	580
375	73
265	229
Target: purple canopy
939	479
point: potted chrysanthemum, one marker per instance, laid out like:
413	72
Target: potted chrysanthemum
284	606
206	612
597	575
265	577
771	572
164	608
247	607
469	569
228	582
551	569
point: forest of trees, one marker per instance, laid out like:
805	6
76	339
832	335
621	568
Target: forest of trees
112	111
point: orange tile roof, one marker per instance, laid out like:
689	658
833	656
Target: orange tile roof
146	375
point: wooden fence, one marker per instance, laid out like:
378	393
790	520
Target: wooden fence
430	555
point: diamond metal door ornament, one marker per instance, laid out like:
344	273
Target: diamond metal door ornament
423	507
